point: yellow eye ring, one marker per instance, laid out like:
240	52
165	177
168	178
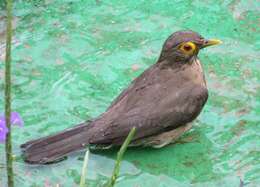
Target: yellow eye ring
188	48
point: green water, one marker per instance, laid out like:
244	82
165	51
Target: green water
72	57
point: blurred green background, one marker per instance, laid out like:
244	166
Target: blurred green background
71	58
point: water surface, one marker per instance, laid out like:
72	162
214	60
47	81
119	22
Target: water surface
72	58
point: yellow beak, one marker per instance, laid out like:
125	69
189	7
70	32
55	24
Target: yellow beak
211	42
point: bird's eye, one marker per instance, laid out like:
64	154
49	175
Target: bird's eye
188	47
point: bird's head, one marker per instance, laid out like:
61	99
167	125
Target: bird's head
184	46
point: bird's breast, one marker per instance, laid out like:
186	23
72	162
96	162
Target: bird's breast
199	73
194	73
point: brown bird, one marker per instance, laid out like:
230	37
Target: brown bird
160	103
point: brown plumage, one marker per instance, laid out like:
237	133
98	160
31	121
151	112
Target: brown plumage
160	103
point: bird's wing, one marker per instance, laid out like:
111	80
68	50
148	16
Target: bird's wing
137	82
151	115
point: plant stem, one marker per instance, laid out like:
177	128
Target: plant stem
120	155
8	143
84	170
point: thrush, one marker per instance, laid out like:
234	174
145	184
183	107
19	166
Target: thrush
161	104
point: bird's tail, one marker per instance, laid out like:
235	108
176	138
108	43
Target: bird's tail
53	148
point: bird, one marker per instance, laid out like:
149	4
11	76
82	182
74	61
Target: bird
161	104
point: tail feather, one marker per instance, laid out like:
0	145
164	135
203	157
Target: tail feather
52	148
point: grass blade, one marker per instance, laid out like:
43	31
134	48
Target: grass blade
84	170
120	155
